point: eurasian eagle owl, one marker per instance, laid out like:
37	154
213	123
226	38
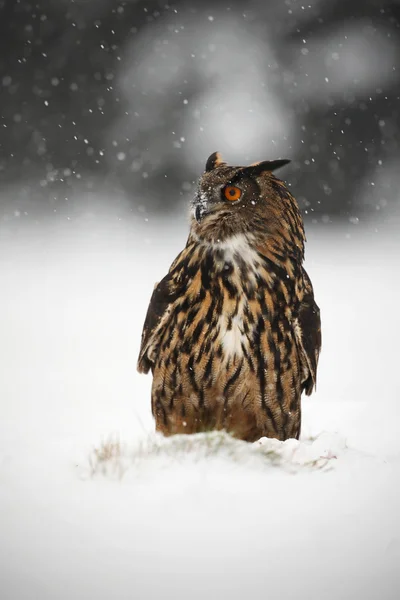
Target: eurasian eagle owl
232	333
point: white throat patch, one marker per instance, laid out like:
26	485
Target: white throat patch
235	250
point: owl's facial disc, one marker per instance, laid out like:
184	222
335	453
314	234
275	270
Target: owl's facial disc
210	199
233	200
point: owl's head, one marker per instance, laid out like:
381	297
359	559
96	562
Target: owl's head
233	200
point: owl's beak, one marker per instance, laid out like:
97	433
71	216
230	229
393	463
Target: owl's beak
200	206
197	213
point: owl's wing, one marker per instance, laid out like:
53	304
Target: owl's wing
307	329
158	312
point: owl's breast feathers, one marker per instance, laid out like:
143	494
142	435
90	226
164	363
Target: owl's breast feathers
228	311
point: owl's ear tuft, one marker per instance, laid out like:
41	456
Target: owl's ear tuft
266	165
215	160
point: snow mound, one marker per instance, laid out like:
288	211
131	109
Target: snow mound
114	459
310	452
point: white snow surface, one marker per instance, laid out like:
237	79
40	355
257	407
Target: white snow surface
202	516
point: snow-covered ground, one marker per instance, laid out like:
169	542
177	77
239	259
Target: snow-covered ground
207	518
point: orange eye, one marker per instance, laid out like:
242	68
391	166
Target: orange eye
232	193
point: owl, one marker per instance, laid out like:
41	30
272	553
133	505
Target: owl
232	334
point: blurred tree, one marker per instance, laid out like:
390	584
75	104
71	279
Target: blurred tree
67	123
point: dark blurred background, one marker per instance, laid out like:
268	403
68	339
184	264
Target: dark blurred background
116	105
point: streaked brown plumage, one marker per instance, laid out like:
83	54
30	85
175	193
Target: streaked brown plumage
232	333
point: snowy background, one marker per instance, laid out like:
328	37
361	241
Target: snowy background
101	144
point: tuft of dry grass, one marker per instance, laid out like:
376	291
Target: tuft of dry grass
107	459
